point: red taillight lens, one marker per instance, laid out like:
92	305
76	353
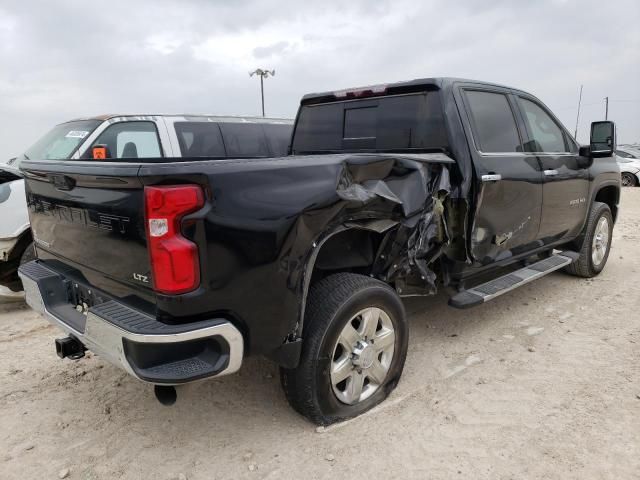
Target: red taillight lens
174	259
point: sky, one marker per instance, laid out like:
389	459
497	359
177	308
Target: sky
65	59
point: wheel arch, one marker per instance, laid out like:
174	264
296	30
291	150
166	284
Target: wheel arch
609	194
362	241
24	239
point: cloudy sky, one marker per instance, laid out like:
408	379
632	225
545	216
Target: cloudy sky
65	58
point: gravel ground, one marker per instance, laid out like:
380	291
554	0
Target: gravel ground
543	382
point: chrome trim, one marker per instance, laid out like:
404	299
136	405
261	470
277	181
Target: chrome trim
491	177
550	173
528	154
105	338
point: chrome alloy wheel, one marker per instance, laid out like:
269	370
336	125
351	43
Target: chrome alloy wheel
600	242
362	355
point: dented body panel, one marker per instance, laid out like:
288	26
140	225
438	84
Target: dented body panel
258	234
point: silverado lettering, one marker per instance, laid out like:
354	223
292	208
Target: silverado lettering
80	216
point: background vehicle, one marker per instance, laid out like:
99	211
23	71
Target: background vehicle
629	161
133	137
176	269
15	237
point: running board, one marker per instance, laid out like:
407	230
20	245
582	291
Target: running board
501	285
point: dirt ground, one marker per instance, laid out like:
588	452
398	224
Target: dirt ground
543	382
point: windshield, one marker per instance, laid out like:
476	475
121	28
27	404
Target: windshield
61	142
391	123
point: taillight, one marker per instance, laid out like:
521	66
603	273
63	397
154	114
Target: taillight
174	259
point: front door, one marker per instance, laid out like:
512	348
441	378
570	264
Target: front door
509	182
566	177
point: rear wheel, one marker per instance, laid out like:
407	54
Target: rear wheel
596	244
629	179
355	345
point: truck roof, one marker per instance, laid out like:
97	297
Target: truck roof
415	85
192	117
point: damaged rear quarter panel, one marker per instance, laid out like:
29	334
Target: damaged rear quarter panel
270	216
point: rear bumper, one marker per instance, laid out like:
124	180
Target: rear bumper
149	350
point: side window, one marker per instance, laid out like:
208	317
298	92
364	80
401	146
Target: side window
493	122
623	154
278	138
244	140
129	140
547	136
200	139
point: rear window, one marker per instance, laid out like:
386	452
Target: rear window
493	122
61	142
400	122
244	140
278	137
205	139
200	139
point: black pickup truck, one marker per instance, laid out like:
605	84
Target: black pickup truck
176	269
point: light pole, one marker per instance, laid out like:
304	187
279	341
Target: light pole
263	74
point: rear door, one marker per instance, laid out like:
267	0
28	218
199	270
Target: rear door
508	182
566	176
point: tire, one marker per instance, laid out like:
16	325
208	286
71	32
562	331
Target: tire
336	307
586	266
629	179
28	254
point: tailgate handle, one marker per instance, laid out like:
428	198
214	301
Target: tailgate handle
62	182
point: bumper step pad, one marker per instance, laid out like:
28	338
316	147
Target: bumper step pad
501	285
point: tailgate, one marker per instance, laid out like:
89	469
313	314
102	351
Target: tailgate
90	217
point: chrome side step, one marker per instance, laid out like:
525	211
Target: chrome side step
501	285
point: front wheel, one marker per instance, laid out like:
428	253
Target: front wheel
596	244
355	345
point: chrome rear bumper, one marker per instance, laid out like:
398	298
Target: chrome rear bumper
149	350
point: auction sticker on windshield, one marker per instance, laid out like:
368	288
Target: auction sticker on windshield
77	134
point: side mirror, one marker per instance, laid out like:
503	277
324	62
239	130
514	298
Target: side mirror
603	139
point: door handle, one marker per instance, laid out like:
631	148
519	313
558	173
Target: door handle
550	173
493	177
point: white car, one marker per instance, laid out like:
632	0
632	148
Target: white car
629	162
148	136
15	238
